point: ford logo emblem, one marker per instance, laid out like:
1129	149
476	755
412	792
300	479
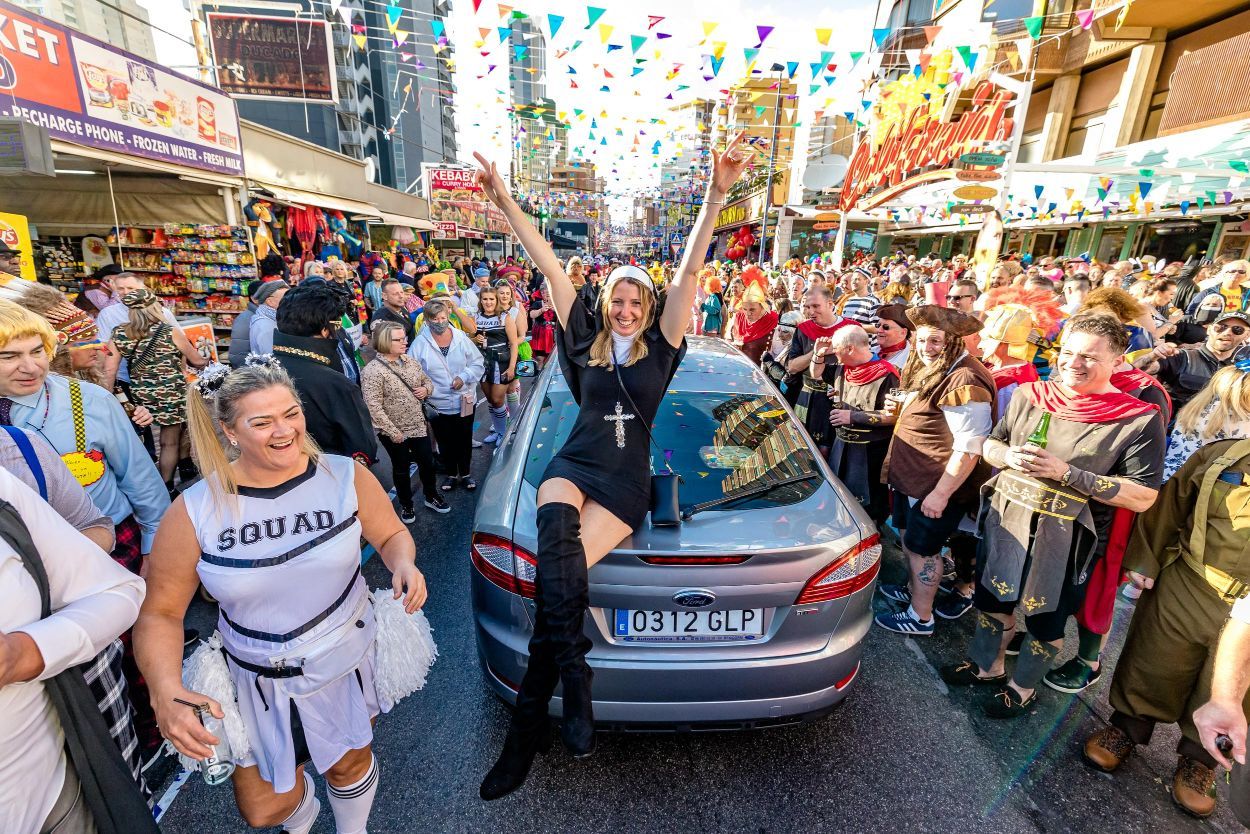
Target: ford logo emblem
694	598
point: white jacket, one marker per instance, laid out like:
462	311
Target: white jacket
463	361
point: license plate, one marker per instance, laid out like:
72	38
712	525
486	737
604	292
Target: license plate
680	626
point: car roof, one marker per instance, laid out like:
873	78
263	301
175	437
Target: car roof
710	364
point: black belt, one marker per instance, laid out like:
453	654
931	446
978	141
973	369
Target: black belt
305	628
266	671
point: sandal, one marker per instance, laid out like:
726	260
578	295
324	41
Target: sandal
449	484
469	483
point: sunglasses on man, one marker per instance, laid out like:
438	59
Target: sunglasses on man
959	297
1235	329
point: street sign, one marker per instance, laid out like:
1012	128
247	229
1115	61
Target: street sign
971	208
978	158
825	226
976	192
977	175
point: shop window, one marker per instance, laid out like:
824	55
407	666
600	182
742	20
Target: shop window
1111	244
996	10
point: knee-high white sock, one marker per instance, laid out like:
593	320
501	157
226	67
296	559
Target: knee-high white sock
305	813
514	403
352	803
499	419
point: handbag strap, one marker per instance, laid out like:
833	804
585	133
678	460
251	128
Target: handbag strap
32	460
14	531
616	369
402	381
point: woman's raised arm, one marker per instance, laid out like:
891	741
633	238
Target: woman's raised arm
562	290
727	167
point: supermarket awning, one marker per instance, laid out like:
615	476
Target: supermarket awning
302	199
389	219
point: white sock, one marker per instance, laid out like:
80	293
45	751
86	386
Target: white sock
499	420
916	616
351	803
514	403
305	813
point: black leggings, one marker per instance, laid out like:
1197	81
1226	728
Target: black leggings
412	450
455	442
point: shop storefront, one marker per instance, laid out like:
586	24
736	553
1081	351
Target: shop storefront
736	233
148	170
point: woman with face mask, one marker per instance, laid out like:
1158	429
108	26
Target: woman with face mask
454	366
617	359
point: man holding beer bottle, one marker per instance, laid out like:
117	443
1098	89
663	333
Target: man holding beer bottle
1068	451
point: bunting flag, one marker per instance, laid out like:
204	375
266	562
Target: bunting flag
360	40
1143	188
504	11
554	21
652	20
1184	207
969	57
716	65
636	42
393	14
1086	18
438	27
518	53
748	56
931	32
879	36
1033	25
791	68
593	14
764	32
1024	49
505	32
855	56
605	32
822	35
477	4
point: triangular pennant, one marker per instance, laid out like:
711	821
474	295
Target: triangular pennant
554	21
764	32
969	57
652	20
504	11
593	15
791	68
1086	18
879	36
716	64
708	27
393	14
505	32
855	56
438	27
636	42
360	40
1033	25
605	32
931	32
749	55
822	35
1143	188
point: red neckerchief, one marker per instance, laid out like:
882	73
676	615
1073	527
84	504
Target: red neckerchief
754	331
1086	408
1014	375
814	331
870	372
1133	381
886	353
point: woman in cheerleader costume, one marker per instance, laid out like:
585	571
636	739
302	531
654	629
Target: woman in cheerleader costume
273	532
618	360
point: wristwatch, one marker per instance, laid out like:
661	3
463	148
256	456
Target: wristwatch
1067	476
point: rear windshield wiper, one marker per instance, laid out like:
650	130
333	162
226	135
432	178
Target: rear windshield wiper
742	496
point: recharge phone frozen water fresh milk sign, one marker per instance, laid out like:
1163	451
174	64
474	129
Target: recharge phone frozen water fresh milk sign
88	93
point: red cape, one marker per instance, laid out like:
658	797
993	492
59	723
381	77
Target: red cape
870	372
814	331
1014	375
751	332
1087	408
1135	380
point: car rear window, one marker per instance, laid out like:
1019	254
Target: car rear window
720	443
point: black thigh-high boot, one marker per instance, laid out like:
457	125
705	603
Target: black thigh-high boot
530	730
566	596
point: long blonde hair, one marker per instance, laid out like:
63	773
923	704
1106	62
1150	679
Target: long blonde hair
206	415
143	319
1227	399
601	348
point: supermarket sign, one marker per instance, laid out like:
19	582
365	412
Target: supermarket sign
86	92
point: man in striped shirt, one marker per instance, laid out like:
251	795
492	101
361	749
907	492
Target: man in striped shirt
860	305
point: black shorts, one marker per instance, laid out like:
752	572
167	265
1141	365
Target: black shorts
922	535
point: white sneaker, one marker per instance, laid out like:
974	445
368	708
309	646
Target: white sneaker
493	437
477	444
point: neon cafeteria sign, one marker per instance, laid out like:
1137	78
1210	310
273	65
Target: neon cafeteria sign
918	142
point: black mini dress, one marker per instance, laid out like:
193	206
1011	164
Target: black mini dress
607	454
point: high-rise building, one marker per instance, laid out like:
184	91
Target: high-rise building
122	23
394	105
539	139
765	107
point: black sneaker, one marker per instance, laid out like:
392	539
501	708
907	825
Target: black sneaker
437	504
1073	677
952	606
1006	703
407	515
1013	648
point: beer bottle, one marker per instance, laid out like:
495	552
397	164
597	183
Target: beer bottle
1038	438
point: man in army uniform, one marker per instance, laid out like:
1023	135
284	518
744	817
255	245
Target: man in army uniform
1190	549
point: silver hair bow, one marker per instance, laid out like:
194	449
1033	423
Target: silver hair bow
261	360
210	380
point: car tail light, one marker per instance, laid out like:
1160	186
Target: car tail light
850	572
845	682
493	557
694	560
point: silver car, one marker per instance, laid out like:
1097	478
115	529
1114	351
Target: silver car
752	612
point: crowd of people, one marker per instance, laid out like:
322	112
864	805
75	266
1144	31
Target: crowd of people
1040	437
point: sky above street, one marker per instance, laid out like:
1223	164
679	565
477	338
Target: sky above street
620	71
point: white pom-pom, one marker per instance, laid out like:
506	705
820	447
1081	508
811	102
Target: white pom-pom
406	649
206	672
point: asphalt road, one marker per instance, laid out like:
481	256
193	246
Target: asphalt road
902	754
